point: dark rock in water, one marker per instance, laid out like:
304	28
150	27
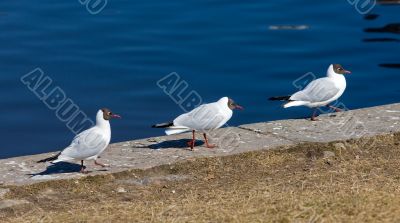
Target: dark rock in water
381	40
388	2
390	28
371	17
391	65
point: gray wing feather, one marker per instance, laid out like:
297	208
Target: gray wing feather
318	90
86	144
204	117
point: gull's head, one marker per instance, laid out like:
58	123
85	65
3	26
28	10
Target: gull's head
337	69
233	105
108	114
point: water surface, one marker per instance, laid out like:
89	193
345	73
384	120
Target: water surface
221	48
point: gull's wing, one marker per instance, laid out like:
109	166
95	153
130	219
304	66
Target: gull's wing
318	90
204	117
87	144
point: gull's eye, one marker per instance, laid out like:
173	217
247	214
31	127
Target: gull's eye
109	113
340	68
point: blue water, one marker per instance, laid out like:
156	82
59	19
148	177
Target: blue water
221	48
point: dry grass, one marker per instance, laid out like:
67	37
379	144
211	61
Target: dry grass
361	183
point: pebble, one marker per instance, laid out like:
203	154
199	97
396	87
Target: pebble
11	203
121	190
3	192
339	145
328	154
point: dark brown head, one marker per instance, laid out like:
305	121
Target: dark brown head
232	105
108	115
337	68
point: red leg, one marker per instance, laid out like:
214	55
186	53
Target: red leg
334	108
83	168
314	115
192	142
207	144
100	164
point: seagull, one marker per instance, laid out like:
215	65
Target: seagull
89	144
320	92
203	118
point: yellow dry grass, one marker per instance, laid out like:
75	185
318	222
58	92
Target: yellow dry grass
361	183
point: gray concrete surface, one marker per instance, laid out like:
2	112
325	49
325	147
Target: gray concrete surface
147	153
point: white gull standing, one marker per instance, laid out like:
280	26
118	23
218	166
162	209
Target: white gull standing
89	144
203	118
320	92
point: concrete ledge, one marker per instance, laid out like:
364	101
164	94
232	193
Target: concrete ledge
147	153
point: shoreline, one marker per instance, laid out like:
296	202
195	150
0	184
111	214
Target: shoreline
151	152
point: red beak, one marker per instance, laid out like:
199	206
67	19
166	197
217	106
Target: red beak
347	72
115	116
239	107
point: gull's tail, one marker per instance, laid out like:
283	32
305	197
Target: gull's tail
49	159
163	125
290	103
176	130
295	103
170	129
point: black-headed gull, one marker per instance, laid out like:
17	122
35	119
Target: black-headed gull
203	118
320	92
89	144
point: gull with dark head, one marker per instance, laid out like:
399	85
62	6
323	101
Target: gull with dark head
89	144
202	119
320	92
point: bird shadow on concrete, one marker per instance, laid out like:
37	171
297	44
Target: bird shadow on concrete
180	144
61	167
330	115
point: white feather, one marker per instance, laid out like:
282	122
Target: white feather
203	118
320	92
176	130
295	103
89	144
